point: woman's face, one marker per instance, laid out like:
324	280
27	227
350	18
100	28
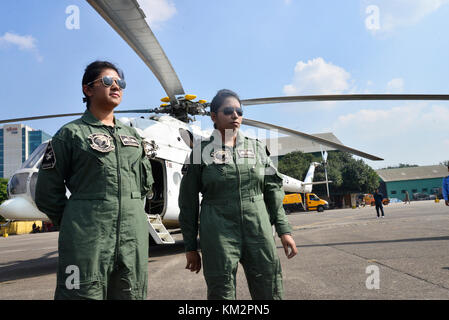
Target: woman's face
102	96
231	121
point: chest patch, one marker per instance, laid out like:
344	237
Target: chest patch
49	160
221	156
246	154
129	141
101	142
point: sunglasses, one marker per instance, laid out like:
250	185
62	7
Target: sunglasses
230	110
108	81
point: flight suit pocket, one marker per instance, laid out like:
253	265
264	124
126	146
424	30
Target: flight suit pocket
72	289
213	174
220	169
89	175
263	220
135	170
257	173
136	195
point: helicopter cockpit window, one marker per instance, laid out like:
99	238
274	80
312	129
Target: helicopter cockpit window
187	137
18	183
35	156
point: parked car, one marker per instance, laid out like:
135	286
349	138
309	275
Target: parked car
420	196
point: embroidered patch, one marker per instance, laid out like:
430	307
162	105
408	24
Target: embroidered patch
129	141
49	160
222	156
246	153
101	142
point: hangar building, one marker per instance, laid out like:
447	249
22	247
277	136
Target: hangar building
424	179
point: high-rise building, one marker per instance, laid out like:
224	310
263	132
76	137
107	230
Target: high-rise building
17	142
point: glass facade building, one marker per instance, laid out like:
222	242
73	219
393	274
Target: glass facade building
1	153
17	143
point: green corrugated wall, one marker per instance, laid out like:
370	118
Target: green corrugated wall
412	186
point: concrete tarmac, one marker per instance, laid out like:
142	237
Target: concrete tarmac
343	254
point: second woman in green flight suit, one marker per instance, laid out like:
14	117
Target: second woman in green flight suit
242	198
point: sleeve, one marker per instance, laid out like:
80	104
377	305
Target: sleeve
274	196
50	186
445	188
147	179
189	204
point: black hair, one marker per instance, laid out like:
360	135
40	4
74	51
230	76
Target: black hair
92	72
220	97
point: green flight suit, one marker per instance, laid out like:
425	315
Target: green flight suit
242	198
103	225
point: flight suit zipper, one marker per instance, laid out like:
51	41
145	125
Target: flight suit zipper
234	158
119	182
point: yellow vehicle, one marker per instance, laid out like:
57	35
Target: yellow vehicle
293	202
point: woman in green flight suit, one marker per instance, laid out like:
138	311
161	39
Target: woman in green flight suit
103	239
242	198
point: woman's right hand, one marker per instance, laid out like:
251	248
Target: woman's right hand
193	261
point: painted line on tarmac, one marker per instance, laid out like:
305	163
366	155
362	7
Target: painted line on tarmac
305	226
30	249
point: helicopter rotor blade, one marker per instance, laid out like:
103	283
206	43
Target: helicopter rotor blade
128	20
68	115
325	142
344	97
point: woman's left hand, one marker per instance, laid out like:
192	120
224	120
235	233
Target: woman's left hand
288	242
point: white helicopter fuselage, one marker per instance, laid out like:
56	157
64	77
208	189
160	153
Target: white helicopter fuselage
170	137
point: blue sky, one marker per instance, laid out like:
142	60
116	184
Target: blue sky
259	49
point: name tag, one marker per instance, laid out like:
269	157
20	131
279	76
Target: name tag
246	153
129	141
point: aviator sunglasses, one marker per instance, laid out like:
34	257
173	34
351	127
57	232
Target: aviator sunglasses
230	110
108	81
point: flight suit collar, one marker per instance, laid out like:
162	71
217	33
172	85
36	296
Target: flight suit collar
89	118
216	138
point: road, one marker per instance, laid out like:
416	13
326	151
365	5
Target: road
343	254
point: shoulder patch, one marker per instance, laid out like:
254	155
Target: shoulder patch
129	141
149	148
49	160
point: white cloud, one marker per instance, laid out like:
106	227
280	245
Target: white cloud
409	133
396	85
318	77
394	14
25	43
157	11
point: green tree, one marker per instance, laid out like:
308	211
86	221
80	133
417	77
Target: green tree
347	174
295	164
401	165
